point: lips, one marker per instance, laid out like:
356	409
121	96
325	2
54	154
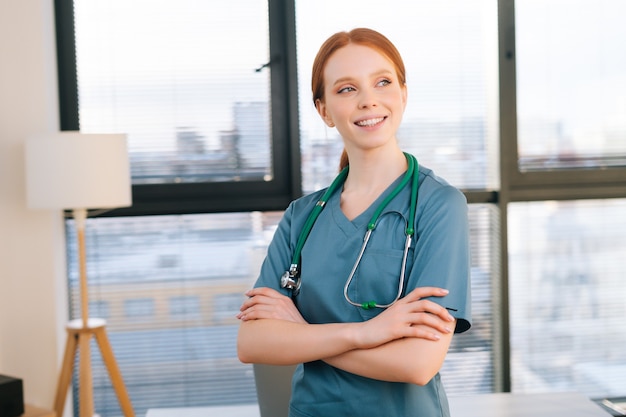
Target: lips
369	122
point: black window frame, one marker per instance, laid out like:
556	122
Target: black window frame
541	184
210	197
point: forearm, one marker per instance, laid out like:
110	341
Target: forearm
281	342
273	332
412	360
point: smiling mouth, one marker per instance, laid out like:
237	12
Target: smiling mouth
370	122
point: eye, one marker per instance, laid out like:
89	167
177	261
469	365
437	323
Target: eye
383	83
347	89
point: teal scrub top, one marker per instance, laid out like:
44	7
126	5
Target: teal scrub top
439	256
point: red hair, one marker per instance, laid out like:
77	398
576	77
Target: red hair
359	36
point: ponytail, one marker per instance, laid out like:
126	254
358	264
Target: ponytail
343	160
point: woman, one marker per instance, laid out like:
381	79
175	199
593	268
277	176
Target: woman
369	336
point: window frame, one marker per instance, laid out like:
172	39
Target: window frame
518	186
186	198
562	184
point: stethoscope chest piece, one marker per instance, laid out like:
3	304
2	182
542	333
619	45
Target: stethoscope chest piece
291	280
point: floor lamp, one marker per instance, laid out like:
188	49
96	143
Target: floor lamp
76	171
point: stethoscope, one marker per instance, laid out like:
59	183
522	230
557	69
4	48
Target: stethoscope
291	279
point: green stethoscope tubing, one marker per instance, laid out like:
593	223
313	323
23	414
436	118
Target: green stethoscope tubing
291	278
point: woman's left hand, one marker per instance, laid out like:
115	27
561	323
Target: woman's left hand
267	303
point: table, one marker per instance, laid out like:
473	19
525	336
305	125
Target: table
225	411
570	404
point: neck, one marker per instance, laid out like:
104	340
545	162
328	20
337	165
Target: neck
374	171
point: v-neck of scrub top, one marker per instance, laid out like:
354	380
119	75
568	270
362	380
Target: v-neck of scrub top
348	226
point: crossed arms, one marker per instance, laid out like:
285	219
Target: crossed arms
407	342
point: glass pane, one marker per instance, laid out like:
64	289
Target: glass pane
571	78
170	288
567	296
179	78
450	52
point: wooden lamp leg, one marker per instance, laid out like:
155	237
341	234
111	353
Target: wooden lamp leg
78	337
114	372
79	334
65	377
85	376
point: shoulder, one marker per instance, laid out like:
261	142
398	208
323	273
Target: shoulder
298	210
436	191
305	203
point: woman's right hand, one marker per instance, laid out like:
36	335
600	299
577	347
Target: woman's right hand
410	316
267	303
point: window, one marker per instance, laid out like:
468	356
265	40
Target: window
567	296
562	100
567	182
571	85
450	54
173	321
194	85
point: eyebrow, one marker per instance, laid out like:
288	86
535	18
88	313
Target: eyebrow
373	75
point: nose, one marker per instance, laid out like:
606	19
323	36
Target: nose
367	98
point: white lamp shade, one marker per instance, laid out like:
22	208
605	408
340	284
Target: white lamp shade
73	170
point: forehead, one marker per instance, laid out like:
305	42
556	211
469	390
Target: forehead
356	61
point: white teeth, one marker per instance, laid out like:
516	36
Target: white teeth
370	122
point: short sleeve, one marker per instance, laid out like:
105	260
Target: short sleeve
442	254
281	248
277	259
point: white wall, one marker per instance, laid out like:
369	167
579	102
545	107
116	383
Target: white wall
33	299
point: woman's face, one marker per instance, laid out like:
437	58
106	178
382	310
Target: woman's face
363	97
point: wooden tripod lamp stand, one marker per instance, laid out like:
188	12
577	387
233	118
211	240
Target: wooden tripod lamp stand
76	171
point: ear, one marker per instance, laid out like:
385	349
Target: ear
405	93
321	110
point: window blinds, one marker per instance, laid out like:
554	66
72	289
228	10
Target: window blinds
571	91
567	296
180	78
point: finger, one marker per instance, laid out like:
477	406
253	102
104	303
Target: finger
431	321
423	292
265	311
263	296
257	312
431	307
251	302
262	303
422	332
268	292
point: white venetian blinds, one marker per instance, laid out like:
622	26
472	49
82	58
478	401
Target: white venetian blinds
179	77
571	75
450	53
567	296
